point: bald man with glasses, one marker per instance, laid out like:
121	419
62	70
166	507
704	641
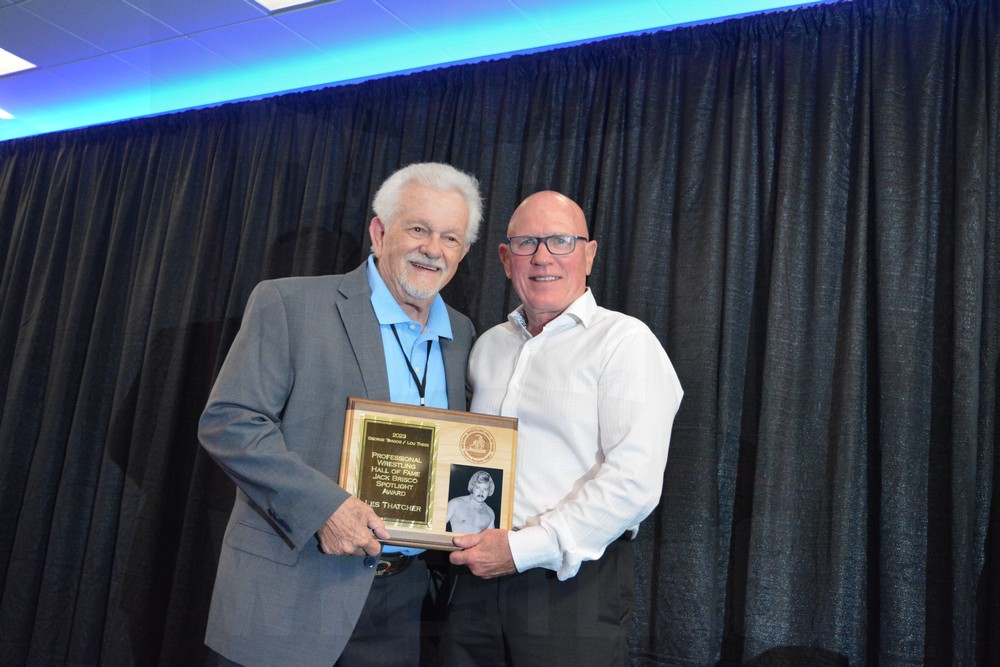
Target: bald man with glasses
595	396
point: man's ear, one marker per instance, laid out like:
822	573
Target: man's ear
590	251
376	231
505	255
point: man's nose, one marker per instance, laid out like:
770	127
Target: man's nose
432	246
539	257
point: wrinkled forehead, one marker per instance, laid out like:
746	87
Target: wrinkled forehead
420	203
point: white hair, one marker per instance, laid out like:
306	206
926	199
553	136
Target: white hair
437	176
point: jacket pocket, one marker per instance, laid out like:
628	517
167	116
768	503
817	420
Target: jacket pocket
260	541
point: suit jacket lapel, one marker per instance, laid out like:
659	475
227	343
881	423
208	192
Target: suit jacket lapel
455	353
362	330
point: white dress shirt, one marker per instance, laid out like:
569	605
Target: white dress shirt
595	396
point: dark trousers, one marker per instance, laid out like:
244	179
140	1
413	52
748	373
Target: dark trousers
388	632
532	618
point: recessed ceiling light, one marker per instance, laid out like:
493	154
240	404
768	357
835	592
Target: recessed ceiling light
9	63
275	5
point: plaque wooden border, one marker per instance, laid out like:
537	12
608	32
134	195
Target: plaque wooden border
408	462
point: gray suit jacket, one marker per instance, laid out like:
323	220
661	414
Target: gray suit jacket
274	422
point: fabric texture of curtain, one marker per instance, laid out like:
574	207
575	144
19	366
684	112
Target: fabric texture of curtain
804	206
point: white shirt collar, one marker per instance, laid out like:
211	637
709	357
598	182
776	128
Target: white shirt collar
581	311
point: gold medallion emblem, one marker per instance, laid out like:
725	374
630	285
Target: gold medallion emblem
477	445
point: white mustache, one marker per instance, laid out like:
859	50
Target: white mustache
421	258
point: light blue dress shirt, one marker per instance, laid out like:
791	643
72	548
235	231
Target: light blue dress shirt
412	340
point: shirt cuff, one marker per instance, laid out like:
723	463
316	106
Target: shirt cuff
532	547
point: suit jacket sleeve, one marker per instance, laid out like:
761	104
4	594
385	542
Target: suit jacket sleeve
242	425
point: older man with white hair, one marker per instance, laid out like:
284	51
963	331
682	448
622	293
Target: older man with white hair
302	579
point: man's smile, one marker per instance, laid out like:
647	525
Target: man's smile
425	267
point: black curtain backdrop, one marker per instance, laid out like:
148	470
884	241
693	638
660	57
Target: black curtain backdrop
803	206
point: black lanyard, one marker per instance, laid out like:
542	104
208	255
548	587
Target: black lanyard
421	384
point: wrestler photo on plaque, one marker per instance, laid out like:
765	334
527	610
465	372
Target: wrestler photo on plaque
475	497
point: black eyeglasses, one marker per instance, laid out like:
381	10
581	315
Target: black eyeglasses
558	244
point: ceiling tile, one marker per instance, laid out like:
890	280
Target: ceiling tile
79	88
174	60
335	25
36	40
96	77
372	39
190	16
109	24
255	42
14	96
45	90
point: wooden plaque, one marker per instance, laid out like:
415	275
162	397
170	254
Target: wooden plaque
430	474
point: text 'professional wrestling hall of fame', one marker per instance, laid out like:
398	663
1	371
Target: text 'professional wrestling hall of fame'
430	474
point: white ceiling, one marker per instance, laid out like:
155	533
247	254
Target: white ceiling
105	60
